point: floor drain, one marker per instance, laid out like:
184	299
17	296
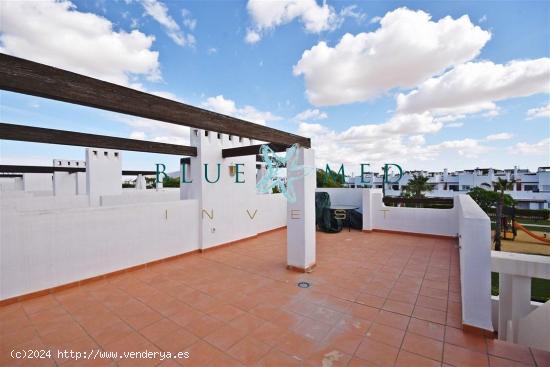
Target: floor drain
304	285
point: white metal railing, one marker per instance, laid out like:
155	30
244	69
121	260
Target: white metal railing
517	321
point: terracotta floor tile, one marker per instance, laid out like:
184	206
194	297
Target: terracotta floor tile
296	345
249	351
185	315
247	322
429	314
364	312
204	326
312	329
178	341
358	362
542	357
201	354
392	319
343	339
386	334
111	333
329	356
225	337
461	357
429	302
427	328
224	360
159	329
276	358
465	340
398	307
370	300
502	362
516	352
269	333
423	346
407	359
225	312
377	352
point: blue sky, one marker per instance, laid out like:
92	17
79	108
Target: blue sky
474	91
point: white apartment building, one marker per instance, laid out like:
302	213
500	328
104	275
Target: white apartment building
531	190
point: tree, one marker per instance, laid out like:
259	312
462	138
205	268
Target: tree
416	187
488	199
171	182
501	185
332	179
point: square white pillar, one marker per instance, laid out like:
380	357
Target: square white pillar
514	303
301	215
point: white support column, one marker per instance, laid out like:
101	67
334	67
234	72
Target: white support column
514	304
141	184
301	216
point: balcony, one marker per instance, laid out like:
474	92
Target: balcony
375	299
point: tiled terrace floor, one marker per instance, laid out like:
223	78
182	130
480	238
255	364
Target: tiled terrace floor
376	300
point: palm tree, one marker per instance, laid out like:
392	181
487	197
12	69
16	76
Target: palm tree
416	186
501	185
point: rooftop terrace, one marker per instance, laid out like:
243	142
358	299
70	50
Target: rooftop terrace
377	299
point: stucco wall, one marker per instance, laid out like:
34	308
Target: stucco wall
46	248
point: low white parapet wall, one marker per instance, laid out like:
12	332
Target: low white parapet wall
47	248
474	228
518	322
377	216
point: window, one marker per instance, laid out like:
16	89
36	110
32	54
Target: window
466	187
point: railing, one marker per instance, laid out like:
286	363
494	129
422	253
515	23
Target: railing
435	203
517	321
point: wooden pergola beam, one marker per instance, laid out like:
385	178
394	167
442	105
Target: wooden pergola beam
251	150
52	136
28	77
11	170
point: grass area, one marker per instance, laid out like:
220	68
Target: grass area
540	288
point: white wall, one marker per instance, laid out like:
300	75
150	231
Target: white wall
376	215
44	249
222	205
271	212
474	229
37	182
344	196
134	196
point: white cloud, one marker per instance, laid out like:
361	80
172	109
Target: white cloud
316	18
499	136
57	34
475	86
152	130
138	135
252	36
158	11
398	140
310	114
212	50
543	111
483	19
188	20
366	65
541	148
228	107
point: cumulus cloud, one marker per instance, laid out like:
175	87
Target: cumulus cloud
158	11
541	148
543	111
157	131
499	136
405	50
399	140
316	18
310	114
475	86
228	107
57	34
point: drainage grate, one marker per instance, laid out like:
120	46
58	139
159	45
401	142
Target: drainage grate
304	284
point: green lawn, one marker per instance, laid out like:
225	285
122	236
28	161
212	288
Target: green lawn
540	288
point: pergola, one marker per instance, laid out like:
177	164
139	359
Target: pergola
32	78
